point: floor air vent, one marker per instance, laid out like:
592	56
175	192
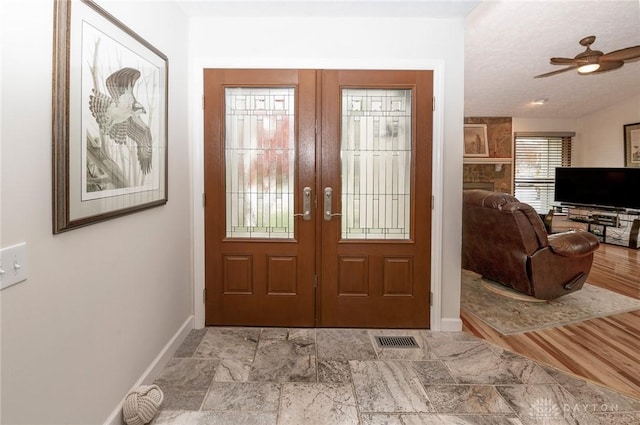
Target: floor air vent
397	342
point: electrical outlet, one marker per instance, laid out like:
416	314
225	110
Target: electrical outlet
13	265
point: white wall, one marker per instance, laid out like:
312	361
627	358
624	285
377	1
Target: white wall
100	302
544	124
599	140
351	43
601	135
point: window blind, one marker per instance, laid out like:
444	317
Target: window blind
536	159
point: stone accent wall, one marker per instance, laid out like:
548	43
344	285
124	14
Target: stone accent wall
486	173
500	141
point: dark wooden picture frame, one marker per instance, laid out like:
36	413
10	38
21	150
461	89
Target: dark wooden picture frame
632	145
110	89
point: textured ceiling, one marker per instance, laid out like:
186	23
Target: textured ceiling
506	43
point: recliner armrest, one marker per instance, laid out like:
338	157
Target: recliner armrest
573	243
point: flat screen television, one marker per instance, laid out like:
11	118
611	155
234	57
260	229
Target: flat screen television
600	187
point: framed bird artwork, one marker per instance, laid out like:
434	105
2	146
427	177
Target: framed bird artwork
109	118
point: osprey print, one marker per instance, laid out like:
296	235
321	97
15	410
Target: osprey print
122	118
118	114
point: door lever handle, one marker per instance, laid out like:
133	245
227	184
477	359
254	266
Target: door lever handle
306	205
328	201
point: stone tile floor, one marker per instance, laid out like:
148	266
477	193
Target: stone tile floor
238	376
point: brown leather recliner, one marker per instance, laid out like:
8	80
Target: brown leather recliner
505	240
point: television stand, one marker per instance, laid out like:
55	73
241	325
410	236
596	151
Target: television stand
617	227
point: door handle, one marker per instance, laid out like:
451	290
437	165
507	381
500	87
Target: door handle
306	204
328	201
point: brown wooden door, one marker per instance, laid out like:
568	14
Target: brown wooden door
376	158
259	157
365	263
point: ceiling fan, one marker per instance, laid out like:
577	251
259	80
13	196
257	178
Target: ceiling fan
594	61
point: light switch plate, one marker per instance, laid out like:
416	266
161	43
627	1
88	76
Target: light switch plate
13	265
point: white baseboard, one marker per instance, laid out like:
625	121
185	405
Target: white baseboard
156	366
450	325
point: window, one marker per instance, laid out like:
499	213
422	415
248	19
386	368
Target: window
536	157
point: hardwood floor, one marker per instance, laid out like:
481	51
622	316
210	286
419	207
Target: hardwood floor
604	350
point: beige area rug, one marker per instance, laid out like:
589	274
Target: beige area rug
511	316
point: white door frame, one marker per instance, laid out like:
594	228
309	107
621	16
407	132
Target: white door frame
196	90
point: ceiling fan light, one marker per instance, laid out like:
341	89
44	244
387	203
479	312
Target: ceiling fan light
590	67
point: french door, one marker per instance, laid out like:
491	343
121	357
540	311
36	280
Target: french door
318	197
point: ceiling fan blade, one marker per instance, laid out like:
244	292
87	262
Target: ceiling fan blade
622	54
562	61
607	66
548	74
